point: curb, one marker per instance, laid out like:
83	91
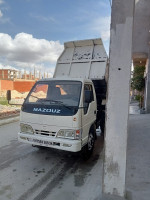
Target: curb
9	120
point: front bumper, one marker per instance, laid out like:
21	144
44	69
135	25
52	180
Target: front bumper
57	143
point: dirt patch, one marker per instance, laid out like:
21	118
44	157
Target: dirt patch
9	111
14	94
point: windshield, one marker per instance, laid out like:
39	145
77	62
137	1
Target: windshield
62	95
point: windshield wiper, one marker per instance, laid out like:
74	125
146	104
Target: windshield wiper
34	96
39	99
52	101
59	103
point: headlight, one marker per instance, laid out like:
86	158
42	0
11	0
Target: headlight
69	134
25	128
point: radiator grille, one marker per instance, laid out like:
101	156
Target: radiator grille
46	133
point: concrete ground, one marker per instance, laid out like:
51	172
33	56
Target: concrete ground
76	179
138	158
28	173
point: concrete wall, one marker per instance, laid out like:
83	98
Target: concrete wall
147	86
141	26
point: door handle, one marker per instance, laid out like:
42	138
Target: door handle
94	112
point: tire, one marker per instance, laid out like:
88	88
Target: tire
102	123
87	150
38	146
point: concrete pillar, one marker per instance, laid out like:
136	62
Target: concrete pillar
3	76
39	74
14	74
30	75
147	86
118	97
34	74
19	74
25	74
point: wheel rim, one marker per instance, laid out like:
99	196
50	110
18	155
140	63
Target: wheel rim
90	142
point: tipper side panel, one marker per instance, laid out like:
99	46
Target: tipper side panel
82	59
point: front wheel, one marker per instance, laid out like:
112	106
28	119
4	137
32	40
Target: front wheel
88	148
91	141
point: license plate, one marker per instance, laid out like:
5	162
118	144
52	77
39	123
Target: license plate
41	142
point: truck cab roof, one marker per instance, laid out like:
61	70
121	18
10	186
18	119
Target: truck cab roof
83	80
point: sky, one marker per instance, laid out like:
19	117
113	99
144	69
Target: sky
32	32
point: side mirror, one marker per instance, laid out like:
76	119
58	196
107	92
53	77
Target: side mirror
8	95
88	96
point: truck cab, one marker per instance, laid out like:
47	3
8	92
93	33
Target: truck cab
59	113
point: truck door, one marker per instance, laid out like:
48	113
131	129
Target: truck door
88	113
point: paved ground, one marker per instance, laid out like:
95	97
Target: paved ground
138	157
28	173
134	108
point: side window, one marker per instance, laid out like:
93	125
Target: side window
91	89
87	87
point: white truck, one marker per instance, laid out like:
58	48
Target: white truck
63	112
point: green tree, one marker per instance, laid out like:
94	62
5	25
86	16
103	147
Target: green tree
138	81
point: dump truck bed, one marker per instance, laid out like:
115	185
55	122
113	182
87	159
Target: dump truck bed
82	59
